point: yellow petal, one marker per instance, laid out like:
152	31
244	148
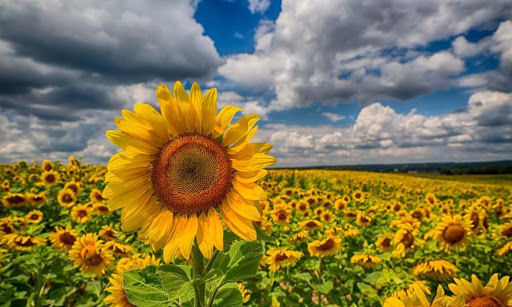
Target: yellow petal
241	226
216	229
124	141
242	207
257	162
249	150
209	110
224	118
239	129
251	176
204	240
170	109
188	234
249	191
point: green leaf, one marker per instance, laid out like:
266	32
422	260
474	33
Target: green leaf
243	260
144	287
228	296
175	280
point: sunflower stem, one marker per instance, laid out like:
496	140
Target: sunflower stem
198	269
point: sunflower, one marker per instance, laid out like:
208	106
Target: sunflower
497	292
365	260
66	198
327	216
34	217
300	236
5	186
453	232
37	199
358	196
334	230
340	204
405	240
350	214
107	232
6	226
384	242
73	186
182	168
281	257
47	166
504	249
281	215
117	297
49	178
246	294
302	207
63	238
101	209
435	269
95	196
326	247
118	249
431	199
351	232
81	214
363	220
415	297
310	225
88	254
12	200
22	242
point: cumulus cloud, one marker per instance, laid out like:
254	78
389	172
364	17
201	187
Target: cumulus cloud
336	51
68	67
482	131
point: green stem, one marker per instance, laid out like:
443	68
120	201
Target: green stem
210	263
198	269
214	293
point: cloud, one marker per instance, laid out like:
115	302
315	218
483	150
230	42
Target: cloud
342	51
333	117
482	131
258	6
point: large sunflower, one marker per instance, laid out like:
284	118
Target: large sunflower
497	292
183	170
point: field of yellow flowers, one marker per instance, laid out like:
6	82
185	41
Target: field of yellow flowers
330	238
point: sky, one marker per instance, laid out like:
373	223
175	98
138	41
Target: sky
334	81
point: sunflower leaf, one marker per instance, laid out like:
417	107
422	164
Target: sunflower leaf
243	260
144	288
228	295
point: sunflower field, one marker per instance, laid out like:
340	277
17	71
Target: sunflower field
328	238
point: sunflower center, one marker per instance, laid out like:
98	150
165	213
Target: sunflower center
408	240
386	242
327	245
91	257
281	257
507	231
454	233
50	178
191	173
82	213
485	301
67	238
27	243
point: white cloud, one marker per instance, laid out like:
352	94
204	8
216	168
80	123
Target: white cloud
333	117
338	51
258	6
483	131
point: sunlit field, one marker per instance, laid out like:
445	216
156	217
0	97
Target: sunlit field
330	238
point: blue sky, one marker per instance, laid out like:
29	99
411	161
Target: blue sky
335	81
